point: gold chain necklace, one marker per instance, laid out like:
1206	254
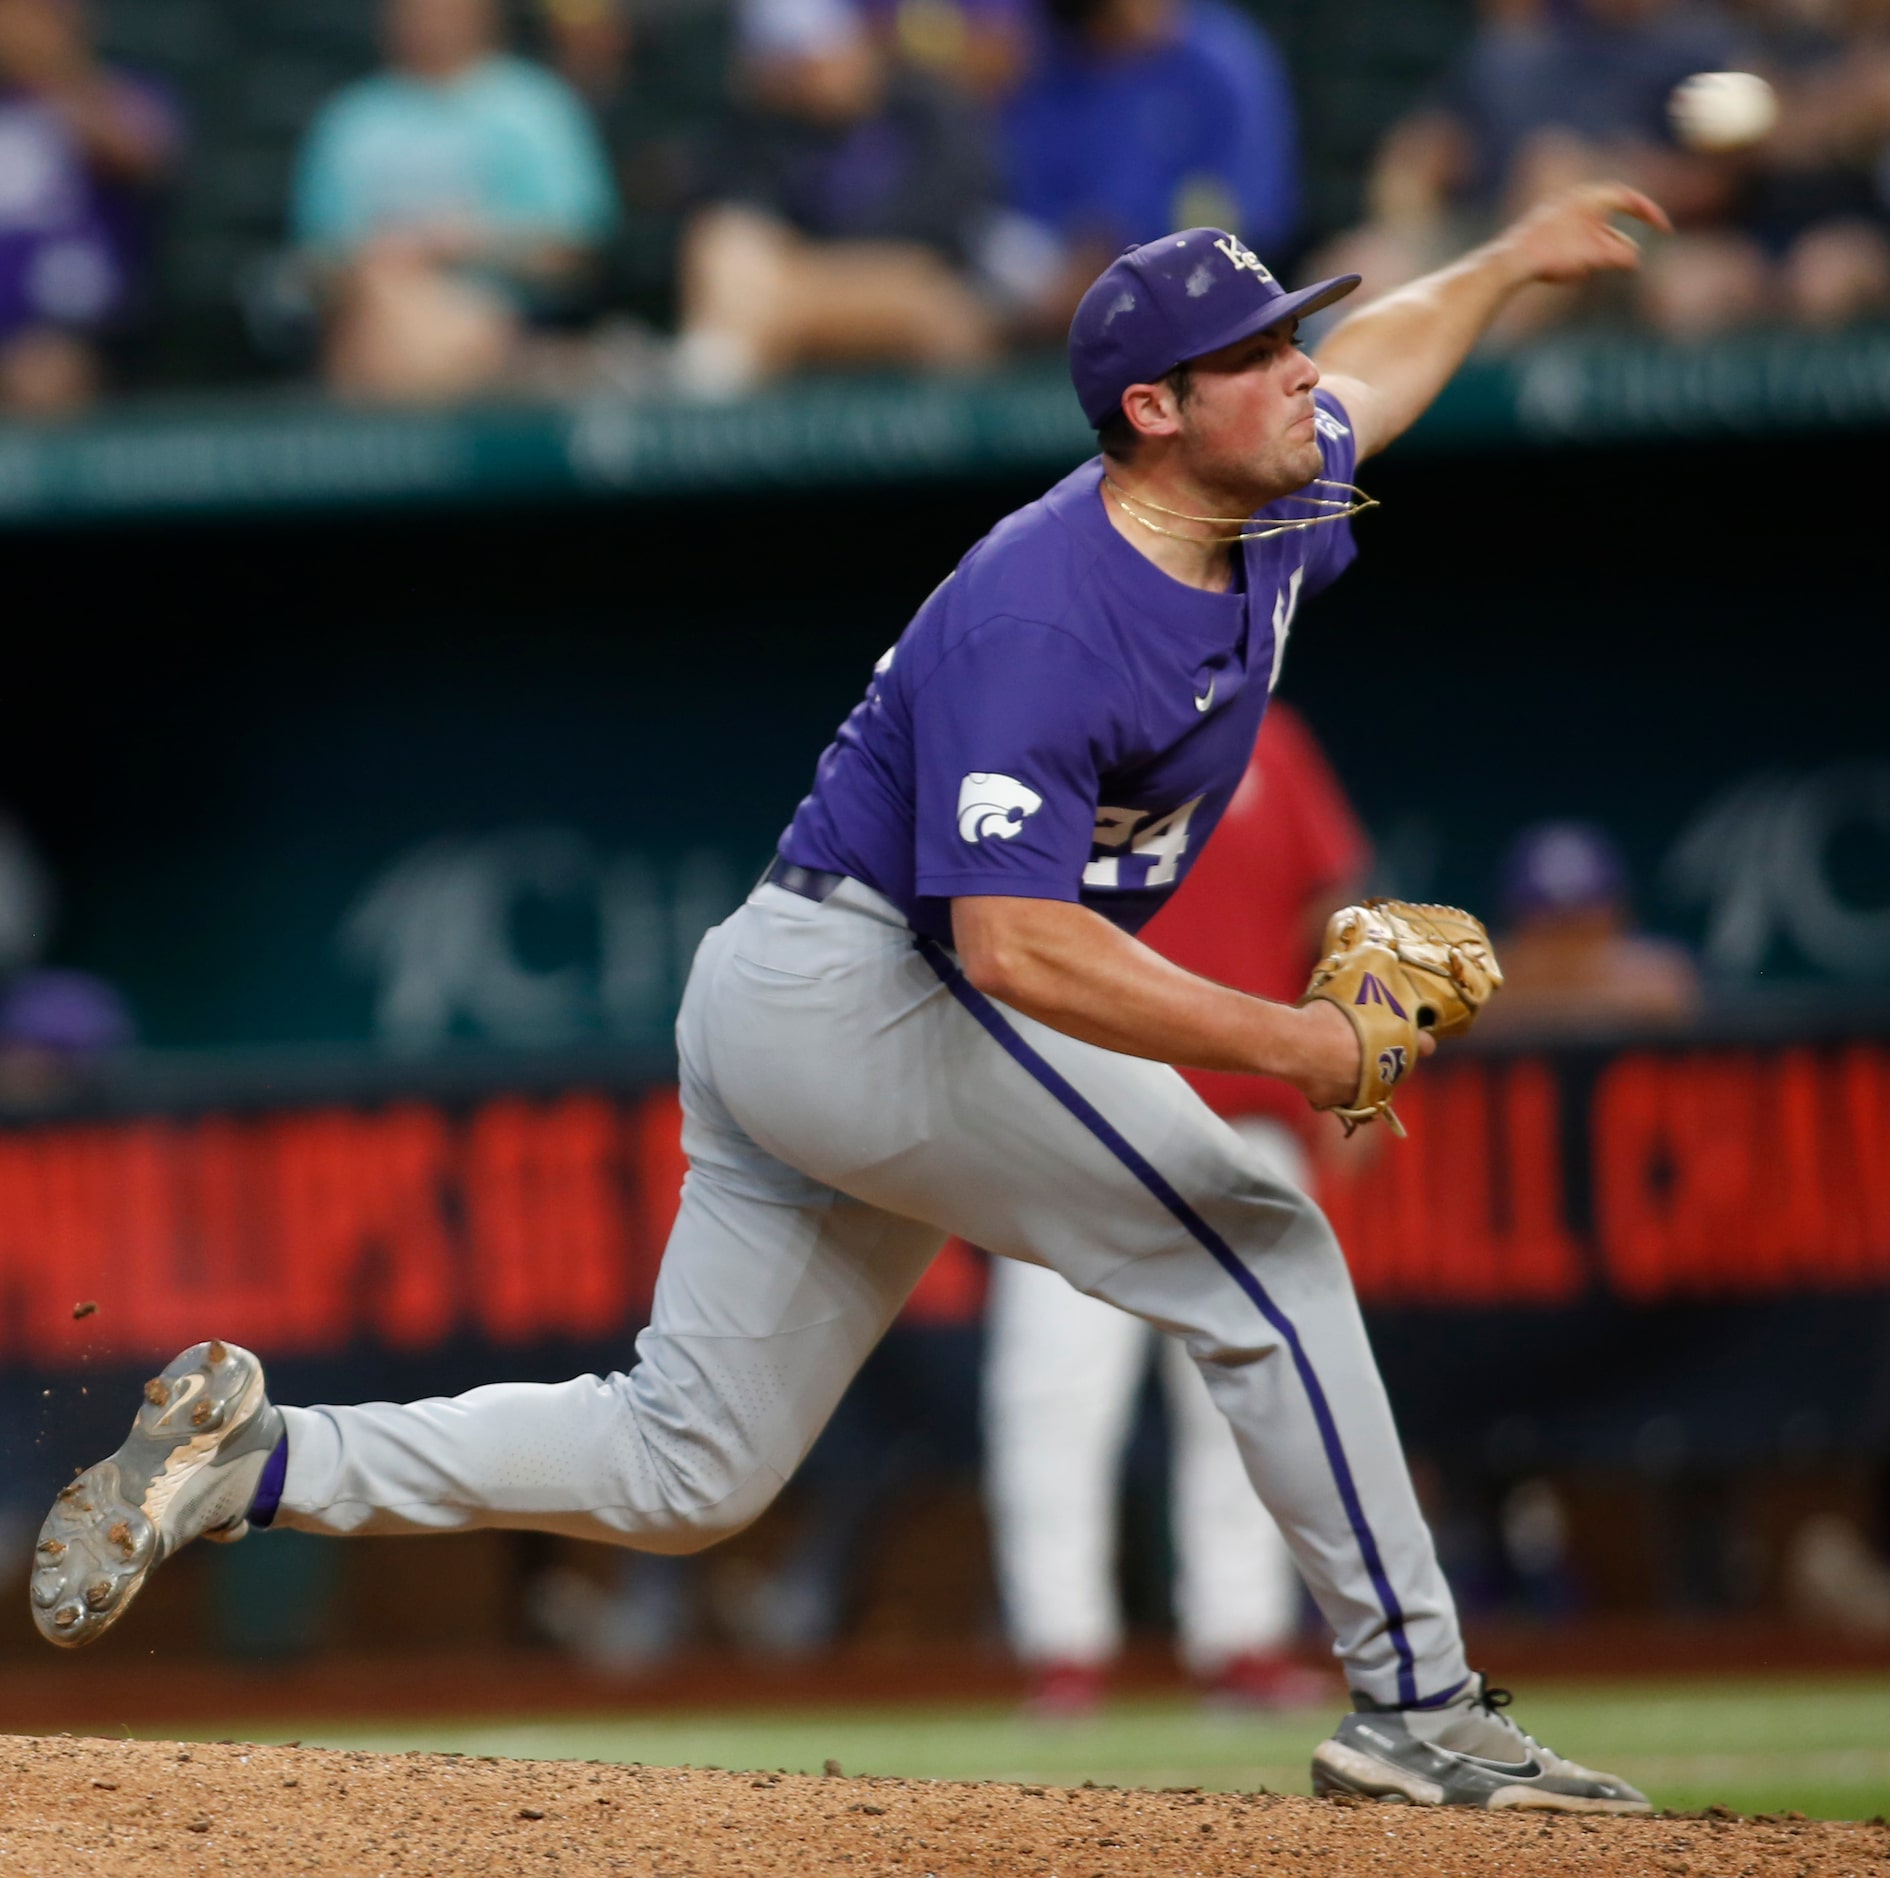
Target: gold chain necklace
1354	502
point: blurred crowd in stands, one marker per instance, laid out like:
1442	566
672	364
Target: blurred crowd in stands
1557	91
704	194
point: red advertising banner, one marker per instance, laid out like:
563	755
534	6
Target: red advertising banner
524	1220
1706	1174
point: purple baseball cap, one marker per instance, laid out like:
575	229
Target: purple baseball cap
1175	299
1563	867
67	1013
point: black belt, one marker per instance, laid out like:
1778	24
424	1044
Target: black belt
811	883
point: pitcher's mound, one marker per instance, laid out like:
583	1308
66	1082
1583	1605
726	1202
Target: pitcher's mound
69	1808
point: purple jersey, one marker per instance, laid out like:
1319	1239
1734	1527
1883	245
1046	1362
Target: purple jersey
1062	720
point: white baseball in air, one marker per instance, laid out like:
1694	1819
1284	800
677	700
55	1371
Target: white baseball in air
1720	111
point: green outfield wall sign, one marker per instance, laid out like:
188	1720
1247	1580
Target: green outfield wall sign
283	455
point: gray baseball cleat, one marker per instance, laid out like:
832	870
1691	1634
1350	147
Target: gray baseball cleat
188	1469
1465	1754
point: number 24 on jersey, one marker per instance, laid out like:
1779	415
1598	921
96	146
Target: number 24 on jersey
1161	839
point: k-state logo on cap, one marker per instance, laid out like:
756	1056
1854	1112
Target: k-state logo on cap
989	804
1241	255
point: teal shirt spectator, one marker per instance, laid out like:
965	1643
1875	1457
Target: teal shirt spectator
506	146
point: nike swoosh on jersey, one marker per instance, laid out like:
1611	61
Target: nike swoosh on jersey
1202	704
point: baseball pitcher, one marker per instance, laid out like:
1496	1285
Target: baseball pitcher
933	1016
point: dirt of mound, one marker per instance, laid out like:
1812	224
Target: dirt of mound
72	1807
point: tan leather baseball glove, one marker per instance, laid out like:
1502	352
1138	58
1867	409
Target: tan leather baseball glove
1397	969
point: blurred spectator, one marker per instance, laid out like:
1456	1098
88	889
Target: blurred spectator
446	205
57	1030
57	1027
1063	1371
591	42
82	148
981	46
1821	195
1571	958
1552	92
854	218
1147	115
657	88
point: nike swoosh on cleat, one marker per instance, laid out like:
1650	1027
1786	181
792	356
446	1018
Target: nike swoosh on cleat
188	1389
1508	1770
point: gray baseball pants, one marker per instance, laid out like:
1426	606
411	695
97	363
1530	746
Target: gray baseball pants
849	1101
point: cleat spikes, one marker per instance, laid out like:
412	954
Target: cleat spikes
189	1467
